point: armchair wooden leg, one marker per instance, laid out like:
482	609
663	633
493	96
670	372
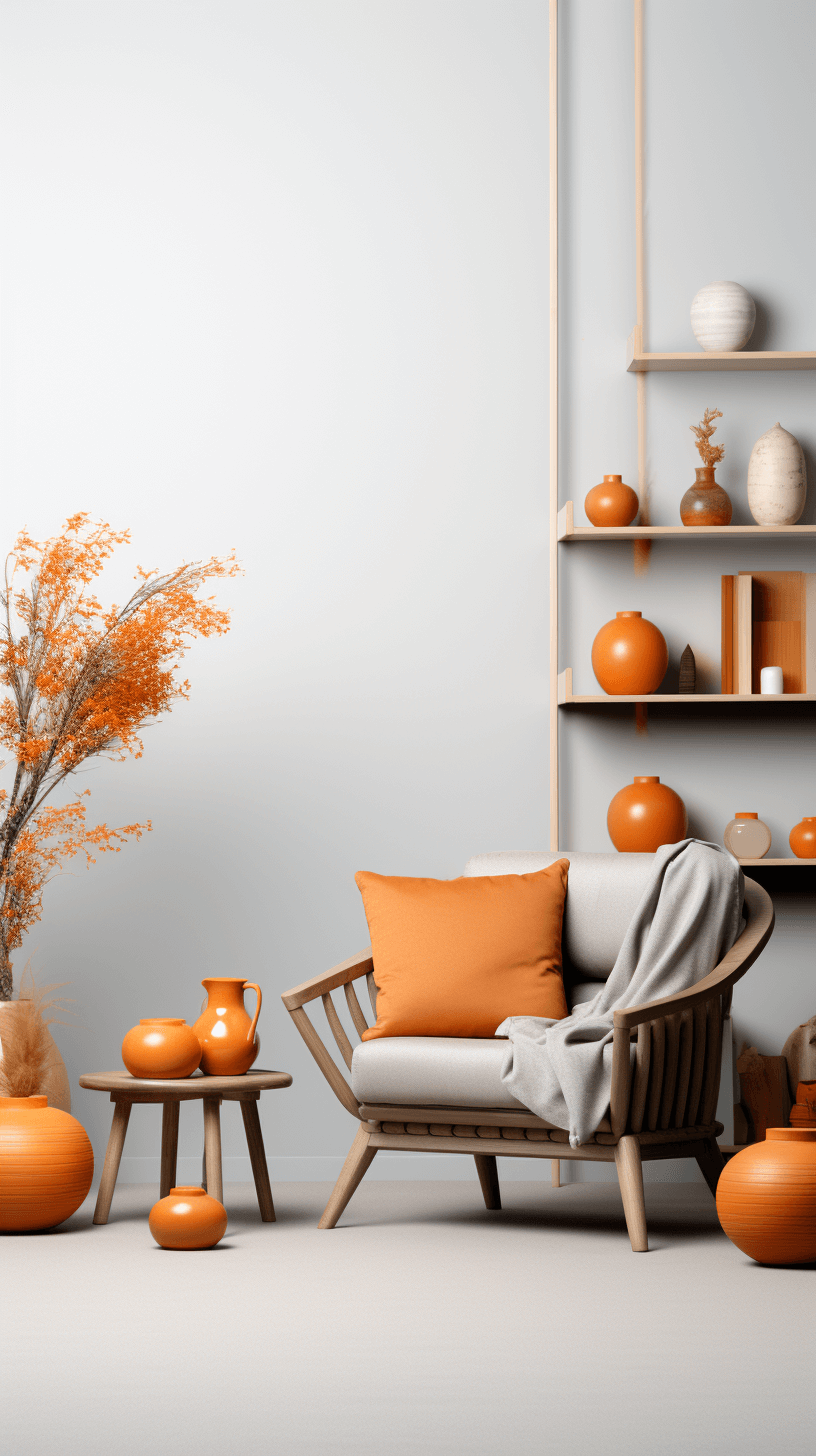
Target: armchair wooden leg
555	1172
169	1147
113	1157
711	1163
489	1179
630	1178
357	1164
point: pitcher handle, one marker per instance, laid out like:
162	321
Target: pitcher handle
253	986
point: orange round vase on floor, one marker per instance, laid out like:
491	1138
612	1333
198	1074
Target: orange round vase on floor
802	839
705	503
611	503
630	655
645	815
766	1197
229	1045
161	1046
46	1164
188	1218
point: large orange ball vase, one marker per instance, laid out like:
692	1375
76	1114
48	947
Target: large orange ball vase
161	1046
229	1045
630	655
802	839
188	1218
645	815
766	1197
46	1164
611	503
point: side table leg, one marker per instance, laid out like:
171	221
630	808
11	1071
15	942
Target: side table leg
113	1155
257	1157
212	1147
169	1147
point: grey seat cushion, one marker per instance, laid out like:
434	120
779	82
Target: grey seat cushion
431	1071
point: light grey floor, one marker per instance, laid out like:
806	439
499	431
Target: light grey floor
421	1324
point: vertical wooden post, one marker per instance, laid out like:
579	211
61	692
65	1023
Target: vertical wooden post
553	512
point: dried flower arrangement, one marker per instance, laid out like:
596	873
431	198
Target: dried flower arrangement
30	1064
709	454
83	680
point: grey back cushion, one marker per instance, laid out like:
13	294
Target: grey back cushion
603	892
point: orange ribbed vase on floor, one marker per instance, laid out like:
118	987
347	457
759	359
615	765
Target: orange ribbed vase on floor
630	655
229	1045
645	815
766	1197
161	1046
188	1218
46	1164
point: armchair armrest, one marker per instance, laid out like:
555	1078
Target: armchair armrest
350	970
322	986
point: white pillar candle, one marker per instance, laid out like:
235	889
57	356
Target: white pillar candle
770	680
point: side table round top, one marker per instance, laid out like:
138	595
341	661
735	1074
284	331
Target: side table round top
198	1085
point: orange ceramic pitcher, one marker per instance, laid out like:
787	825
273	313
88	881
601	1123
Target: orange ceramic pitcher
229	1045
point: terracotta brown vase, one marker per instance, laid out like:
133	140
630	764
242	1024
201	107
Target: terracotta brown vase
705	503
630	655
803	1112
188	1218
229	1045
46	1164
802	838
766	1197
645	815
611	503
161	1046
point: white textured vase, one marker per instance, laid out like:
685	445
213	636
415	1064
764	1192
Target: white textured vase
723	315
777	479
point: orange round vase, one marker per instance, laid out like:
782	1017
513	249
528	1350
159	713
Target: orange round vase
766	1197
630	655
705	503
645	815
46	1164
188	1218
229	1045
611	503
802	839
161	1046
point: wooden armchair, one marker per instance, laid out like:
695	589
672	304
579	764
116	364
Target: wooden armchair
663	1098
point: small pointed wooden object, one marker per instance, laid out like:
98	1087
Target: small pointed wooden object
688	672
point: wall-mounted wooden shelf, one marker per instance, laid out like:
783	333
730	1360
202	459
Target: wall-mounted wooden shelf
639	363
568	531
794	863
567	699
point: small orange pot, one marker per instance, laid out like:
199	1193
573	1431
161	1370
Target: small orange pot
644	815
803	1112
188	1218
161	1046
46	1164
611	503
229	1045
766	1197
802	839
630	655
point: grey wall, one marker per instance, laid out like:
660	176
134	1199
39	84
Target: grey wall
274	276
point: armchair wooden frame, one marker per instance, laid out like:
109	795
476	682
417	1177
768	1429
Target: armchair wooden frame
662	1103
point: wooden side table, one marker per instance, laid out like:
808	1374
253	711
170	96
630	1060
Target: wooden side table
125	1090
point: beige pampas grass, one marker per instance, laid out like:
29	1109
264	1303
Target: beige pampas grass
30	1064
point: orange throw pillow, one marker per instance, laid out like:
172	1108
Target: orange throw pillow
455	957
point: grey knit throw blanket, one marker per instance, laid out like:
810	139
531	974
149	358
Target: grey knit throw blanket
689	916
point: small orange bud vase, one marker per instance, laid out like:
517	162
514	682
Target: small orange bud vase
229	1045
630	655
802	839
46	1164
161	1046
705	503
645	815
188	1218
766	1197
611	503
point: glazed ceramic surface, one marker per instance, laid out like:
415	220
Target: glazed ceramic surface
229	1045
771	681
611	503
723	315
802	838
766	1197
803	1112
746	837
46	1164
54	1084
188	1218
705	503
161	1046
630	655
644	815
777	479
